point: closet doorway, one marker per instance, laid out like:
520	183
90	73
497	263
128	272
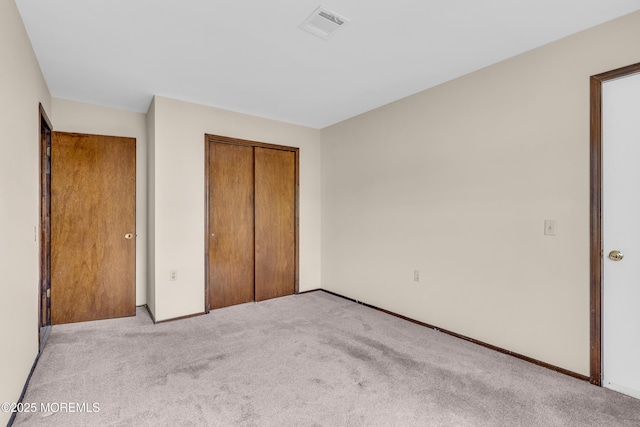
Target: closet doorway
251	251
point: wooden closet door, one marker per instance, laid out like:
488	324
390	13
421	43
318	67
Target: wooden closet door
93	246
274	223
231	223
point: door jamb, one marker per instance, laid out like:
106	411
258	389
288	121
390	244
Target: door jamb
596	250
44	301
208	138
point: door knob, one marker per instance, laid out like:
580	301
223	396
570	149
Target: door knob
616	255
128	236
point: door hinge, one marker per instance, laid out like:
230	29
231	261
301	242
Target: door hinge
49	293
49	151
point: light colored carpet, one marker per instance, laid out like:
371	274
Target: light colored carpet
305	360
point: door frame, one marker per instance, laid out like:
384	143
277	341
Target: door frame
44	302
208	139
596	249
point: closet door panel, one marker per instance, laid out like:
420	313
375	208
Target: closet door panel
231	224
274	223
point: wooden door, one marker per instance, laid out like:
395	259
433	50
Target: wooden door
231	222
275	223
92	227
251	251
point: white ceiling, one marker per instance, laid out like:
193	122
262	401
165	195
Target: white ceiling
250	56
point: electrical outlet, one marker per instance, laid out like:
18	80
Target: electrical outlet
173	275
549	227
416	275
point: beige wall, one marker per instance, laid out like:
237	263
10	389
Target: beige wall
457	181
177	202
22	87
72	116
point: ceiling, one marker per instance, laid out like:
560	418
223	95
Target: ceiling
250	56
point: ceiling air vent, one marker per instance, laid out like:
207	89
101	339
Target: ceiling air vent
323	22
